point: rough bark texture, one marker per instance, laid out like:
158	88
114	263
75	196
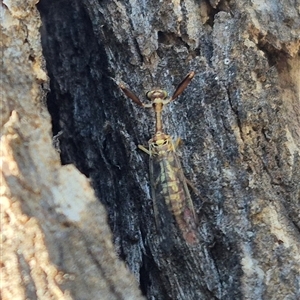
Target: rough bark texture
55	241
239	120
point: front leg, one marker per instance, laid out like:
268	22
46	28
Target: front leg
177	143
141	147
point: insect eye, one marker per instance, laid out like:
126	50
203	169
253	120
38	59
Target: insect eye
149	94
165	94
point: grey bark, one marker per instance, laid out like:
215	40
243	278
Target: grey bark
55	241
240	125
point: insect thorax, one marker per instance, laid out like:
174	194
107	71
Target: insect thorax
161	144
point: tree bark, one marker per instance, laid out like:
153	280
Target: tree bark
239	120
55	241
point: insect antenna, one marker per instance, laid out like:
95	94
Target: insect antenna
183	84
131	95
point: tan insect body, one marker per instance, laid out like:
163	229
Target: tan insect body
168	183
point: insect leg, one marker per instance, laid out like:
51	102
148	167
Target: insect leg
141	147
177	143
190	184
189	199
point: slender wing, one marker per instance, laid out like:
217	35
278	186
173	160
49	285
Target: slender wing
181	201
162	211
170	194
188	200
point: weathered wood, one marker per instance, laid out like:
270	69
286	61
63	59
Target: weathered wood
239	120
55	241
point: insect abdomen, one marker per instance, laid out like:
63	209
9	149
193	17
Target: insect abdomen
172	188
169	187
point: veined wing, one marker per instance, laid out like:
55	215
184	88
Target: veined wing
162	213
170	193
188	216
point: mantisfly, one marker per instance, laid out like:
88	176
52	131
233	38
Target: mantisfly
168	183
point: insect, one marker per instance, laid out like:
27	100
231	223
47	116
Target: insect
168	184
